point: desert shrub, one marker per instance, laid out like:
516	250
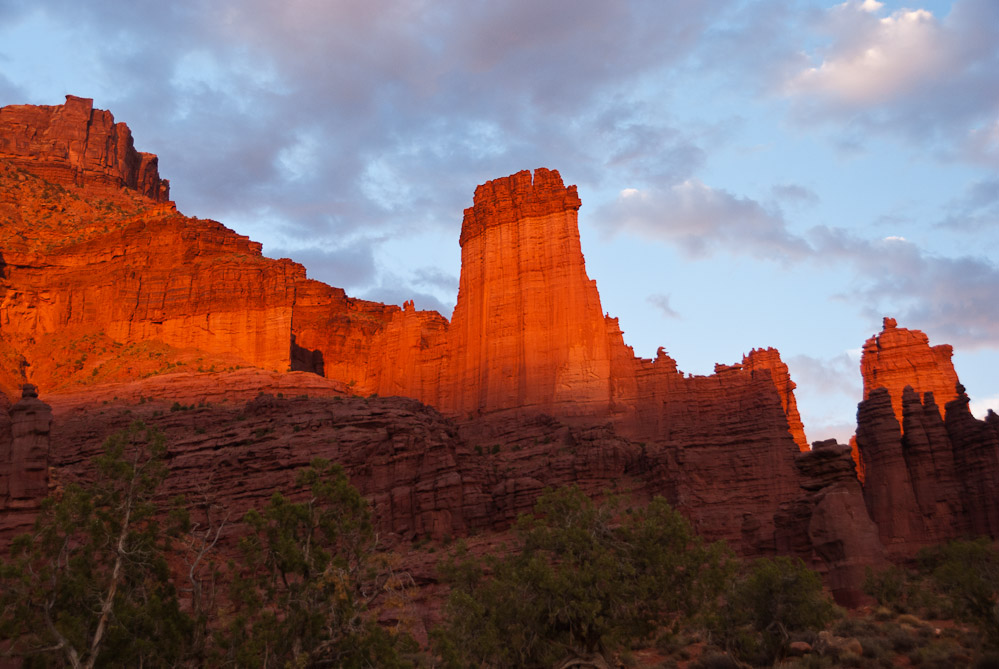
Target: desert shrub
307	580
888	587
774	598
578	584
968	573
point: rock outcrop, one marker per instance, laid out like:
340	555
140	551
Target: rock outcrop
897	357
75	144
931	472
829	524
24	460
976	463
888	486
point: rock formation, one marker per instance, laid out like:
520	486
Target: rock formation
931	471
112	285
897	357
976	463
24	460
888	486
75	144
830	523
528	328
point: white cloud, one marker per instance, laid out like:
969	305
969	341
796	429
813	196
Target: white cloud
887	57
979	408
933	80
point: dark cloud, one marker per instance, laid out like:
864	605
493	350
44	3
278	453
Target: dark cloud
661	303
398	109
434	278
351	268
393	291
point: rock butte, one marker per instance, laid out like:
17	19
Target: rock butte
109	298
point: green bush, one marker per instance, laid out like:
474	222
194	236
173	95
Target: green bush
968	573
91	586
776	597
578	584
307	580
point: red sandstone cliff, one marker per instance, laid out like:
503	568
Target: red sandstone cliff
75	144
104	284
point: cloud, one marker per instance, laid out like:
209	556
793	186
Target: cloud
836	375
350	267
933	80
977	210
794	194
700	220
661	303
333	115
392	290
951	296
979	408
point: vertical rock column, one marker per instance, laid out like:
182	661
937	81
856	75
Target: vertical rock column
528	329
31	420
976	460
5	459
831	521
888	487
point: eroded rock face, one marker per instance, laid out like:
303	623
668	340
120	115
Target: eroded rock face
887	485
930	474
5	449
140	290
24	460
897	357
75	144
30	422
829	522
528	328
976	463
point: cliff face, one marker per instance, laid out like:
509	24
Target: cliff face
528	329
828	525
75	144
101	282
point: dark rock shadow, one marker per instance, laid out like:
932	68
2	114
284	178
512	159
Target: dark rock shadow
305	360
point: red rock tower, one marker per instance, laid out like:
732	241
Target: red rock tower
898	357
528	329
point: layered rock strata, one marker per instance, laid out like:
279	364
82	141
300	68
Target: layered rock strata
897	357
138	283
976	463
829	524
75	144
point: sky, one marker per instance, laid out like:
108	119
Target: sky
753	173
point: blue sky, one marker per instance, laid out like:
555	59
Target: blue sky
765	173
